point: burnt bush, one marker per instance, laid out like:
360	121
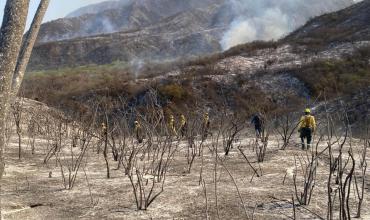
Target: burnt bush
337	77
173	91
247	48
250	47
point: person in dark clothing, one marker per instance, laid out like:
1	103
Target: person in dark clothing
258	124
183	126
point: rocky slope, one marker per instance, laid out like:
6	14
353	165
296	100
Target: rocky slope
145	30
350	24
188	33
117	16
98	8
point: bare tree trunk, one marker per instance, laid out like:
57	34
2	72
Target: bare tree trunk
11	35
27	46
105	154
12	29
19	145
105	141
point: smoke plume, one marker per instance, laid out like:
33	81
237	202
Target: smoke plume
136	66
272	19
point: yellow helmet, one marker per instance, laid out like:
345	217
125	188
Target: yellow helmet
307	110
136	122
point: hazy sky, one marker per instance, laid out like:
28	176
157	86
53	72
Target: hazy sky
57	8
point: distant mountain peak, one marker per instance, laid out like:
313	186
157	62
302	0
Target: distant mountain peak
98	7
167	29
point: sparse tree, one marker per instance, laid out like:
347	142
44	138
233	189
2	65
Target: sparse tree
27	46
17	114
285	126
70	164
11	35
360	179
309	172
231	132
12	29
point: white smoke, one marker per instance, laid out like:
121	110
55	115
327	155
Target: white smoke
272	19
108	26
136	66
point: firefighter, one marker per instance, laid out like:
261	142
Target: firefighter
205	126
104	136
307	126
137	130
257	121
103	127
104	130
183	125
171	125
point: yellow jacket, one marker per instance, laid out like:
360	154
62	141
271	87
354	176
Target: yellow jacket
182	121
206	119
137	127
171	125
103	127
307	121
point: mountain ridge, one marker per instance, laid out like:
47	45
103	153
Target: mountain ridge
166	31
349	24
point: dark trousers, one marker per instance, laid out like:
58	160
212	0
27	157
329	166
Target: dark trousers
183	130
138	136
306	133
258	131
205	131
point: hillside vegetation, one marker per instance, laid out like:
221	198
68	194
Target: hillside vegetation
350	24
338	77
258	76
